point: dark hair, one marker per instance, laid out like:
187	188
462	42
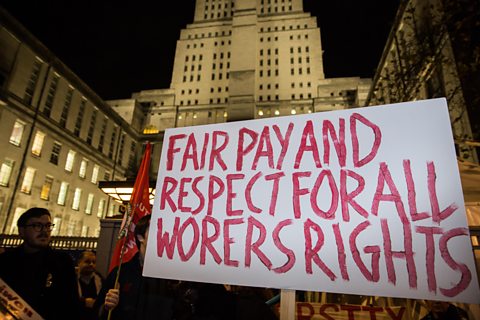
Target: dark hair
32	213
84	253
141	227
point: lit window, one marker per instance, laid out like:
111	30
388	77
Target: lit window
28	180
260	112
84	232
17	133
70	160
46	188
57	221
38	143
112	210
293	111
277	112
18	212
88	208
83	168
62	194
95	172
6	172
101	209
76	199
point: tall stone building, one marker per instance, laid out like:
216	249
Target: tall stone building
58	138
433	51
238	60
243	60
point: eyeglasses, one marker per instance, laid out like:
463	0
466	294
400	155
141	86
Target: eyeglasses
39	226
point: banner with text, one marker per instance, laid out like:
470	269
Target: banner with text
361	201
12	306
332	311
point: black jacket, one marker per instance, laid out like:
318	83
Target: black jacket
46	280
140	297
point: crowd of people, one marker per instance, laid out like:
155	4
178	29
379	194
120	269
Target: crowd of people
50	282
53	286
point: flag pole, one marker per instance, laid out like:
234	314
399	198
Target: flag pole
140	194
123	234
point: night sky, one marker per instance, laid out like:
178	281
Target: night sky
121	47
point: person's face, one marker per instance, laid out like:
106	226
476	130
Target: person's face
35	234
87	264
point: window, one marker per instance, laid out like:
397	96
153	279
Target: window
66	107
62	194
76	199
6	172
91	129
120	150
111	210
78	122
83	168
18	212
95	171
32	82
17	132
55	152
88	208
101	209
131	157
102	135
84	231
47	109
112	143
70	160
28	180
38	143
46	188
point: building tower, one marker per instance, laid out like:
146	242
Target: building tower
237	60
242	60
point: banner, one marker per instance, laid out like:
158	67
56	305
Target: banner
332	311
12	306
363	201
140	206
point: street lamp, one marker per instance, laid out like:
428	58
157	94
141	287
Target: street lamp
121	191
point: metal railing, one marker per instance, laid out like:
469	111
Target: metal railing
57	242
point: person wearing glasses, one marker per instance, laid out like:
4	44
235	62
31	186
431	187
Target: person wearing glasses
43	277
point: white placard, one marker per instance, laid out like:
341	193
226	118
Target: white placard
361	201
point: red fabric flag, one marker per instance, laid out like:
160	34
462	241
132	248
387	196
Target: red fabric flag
140	206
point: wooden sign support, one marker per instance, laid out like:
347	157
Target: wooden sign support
287	304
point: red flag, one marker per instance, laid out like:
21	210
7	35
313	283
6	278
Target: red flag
140	206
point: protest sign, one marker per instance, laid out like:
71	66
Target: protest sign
12	306
361	201
332	311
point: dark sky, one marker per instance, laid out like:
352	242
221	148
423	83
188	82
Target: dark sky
121	47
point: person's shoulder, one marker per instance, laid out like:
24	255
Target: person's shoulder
458	312
98	275
9	253
60	256
428	316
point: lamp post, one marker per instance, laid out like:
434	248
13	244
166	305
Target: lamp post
119	191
